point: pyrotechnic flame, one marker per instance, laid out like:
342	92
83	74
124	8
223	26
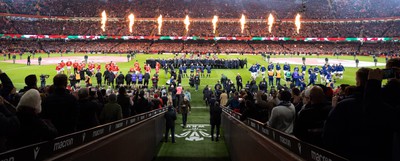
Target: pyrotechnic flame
103	20
131	22
187	23
242	22
159	24
271	20
297	23
214	21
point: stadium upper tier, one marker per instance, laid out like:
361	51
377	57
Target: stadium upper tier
254	9
177	28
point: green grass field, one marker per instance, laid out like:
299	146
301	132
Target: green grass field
17	72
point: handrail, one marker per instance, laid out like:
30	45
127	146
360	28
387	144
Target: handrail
43	150
296	146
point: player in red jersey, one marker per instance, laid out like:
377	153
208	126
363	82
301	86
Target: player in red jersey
75	65
98	67
158	66
148	68
68	64
58	68
62	65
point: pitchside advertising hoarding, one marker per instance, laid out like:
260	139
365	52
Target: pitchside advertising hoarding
43	150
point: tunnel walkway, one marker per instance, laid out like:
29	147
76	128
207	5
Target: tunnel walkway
193	143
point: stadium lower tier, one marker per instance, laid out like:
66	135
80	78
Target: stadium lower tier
180	46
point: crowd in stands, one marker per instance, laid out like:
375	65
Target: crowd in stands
318	9
358	122
318	48
147	28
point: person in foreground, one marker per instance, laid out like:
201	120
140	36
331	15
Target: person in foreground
170	117
215	120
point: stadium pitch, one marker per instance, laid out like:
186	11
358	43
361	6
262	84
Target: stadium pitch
18	71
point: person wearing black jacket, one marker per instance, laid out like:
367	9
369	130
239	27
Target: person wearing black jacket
9	123
146	78
345	124
128	79
309	124
106	74
215	120
125	102
197	81
141	104
87	117
263	86
110	81
98	78
382	110
239	82
170	117
61	107
120	79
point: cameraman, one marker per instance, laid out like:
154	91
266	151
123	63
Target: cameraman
43	78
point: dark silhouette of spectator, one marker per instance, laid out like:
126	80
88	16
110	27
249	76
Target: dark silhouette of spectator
215	120
125	102
9	124
87	110
6	86
31	83
112	111
310	121
170	117
61	107
32	128
382	114
345	123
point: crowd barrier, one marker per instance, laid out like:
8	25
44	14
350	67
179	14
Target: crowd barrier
60	145
296	149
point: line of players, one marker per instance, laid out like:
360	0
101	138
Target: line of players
327	73
84	71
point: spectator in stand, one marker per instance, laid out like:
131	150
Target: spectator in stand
9	122
125	102
112	111
283	115
31	83
87	111
382	122
6	86
345	123
309	123
61	107
32	128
